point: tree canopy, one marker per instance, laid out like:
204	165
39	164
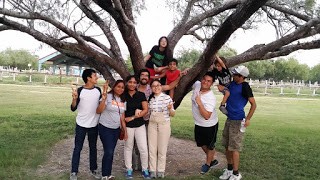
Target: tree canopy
72	27
18	59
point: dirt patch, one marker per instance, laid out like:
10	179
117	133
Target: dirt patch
183	159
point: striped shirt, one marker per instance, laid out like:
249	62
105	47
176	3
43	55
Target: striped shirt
159	104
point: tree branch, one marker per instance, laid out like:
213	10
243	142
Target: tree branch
231	24
44	18
118	6
84	6
128	33
182	28
258	52
286	50
4	27
285	10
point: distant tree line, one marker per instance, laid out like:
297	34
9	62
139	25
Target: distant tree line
18	59
280	69
277	70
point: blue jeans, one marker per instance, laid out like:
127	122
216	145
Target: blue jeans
109	138
78	144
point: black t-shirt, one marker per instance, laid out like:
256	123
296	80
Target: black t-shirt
246	90
158	58
224	76
133	103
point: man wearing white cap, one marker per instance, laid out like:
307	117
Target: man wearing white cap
240	94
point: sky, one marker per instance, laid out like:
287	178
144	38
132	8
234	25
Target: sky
151	25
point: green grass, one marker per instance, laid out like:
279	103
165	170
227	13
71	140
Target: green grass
281	143
32	120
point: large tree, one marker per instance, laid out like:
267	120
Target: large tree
65	25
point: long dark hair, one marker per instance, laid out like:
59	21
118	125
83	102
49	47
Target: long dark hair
152	94
166	40
166	49
112	90
128	79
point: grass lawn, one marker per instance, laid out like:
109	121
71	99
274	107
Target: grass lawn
281	143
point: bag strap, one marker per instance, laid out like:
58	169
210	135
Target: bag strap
114	98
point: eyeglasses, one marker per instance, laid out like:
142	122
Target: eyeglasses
154	86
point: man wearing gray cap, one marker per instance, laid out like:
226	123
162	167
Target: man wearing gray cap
237	121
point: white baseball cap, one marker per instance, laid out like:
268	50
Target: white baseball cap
242	70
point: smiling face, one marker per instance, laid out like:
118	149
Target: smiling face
172	66
118	88
156	87
132	84
163	42
144	78
93	78
206	82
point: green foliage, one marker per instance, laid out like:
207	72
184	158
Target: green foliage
315	73
289	69
227	52
129	65
188	58
18	59
260	69
281	69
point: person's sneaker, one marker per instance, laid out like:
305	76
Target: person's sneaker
104	178
129	174
235	177
214	163
205	168
223	109
73	176
95	174
153	175
111	177
160	175
226	174
145	174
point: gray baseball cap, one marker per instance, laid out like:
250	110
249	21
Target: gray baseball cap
242	70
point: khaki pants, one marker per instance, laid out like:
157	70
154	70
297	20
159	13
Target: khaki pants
140	135
159	132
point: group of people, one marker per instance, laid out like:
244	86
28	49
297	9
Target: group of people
239	94
126	107
139	109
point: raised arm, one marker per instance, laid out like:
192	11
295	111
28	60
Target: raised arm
221	62
102	104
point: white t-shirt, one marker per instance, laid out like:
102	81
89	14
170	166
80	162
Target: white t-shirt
110	117
89	101
209	101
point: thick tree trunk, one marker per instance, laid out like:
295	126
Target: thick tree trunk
231	24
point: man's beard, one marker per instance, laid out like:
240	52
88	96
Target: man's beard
144	82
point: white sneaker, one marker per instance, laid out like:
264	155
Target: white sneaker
95	174
73	176
226	174
235	177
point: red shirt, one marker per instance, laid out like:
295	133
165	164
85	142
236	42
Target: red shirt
172	75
